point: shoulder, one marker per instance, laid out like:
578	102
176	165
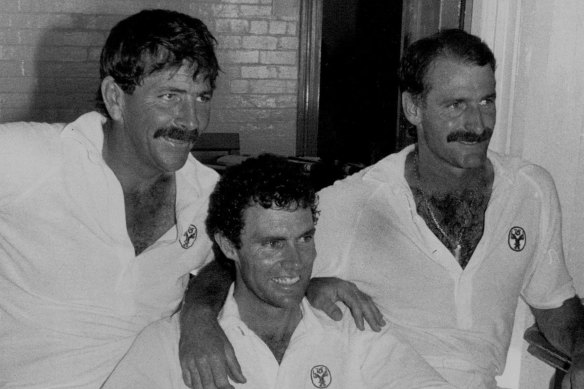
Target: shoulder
202	177
30	151
30	138
523	173
161	333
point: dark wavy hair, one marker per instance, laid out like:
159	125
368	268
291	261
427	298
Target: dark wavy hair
153	40
267	180
449	43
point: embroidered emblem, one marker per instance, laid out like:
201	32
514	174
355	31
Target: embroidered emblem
517	238
189	237
320	376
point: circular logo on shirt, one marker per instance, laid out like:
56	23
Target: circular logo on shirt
320	376
517	238
188	238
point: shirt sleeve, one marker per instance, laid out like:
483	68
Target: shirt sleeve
389	363
548	284
152	361
28	155
334	230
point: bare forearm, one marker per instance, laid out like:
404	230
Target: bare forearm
563	327
207	291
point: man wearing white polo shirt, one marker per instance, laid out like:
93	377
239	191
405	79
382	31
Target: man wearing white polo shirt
262	214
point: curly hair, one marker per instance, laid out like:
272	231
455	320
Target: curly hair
154	40
449	43
267	180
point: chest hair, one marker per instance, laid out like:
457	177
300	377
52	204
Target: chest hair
150	212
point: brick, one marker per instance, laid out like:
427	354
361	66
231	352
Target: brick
68	69
9	37
9	6
239	56
225	11
230	42
278	57
288	72
259	42
15	52
287	101
93	54
288	43
259	72
14	68
230	71
255	11
292	28
13	100
232	25
64	54
19	84
242	1
258	115
239	86
62	38
258	27
277	27
268	86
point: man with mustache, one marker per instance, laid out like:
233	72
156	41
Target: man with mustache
445	235
102	220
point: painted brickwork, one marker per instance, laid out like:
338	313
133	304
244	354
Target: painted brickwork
49	52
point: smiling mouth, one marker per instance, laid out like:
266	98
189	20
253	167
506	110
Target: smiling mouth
286	281
175	141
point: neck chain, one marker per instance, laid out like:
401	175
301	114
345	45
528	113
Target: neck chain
456	243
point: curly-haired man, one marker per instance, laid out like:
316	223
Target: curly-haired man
262	215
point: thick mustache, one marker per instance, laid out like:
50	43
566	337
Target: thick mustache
468	136
178	134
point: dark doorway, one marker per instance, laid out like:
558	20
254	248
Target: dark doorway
360	50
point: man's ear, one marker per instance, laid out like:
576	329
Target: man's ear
113	97
226	246
412	109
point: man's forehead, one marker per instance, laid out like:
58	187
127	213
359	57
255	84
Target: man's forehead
277	221
452	72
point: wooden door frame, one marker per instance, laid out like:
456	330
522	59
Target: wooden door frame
310	36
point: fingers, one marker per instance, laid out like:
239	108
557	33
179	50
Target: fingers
205	374
362	308
332	310
214	375
188	372
234	369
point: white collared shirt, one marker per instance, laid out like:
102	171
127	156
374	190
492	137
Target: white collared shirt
370	233
74	293
322	353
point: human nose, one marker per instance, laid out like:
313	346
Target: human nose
292	258
187	116
474	120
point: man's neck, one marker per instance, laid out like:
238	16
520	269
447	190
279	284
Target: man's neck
132	180
436	177
274	326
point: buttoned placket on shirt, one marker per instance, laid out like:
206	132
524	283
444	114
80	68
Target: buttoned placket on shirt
439	253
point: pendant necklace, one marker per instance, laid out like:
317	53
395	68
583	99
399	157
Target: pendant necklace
453	242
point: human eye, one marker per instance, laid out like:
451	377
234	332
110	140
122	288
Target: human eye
204	98
169	97
489	102
274	244
457	105
307	238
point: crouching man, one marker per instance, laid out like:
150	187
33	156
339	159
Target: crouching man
262	215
